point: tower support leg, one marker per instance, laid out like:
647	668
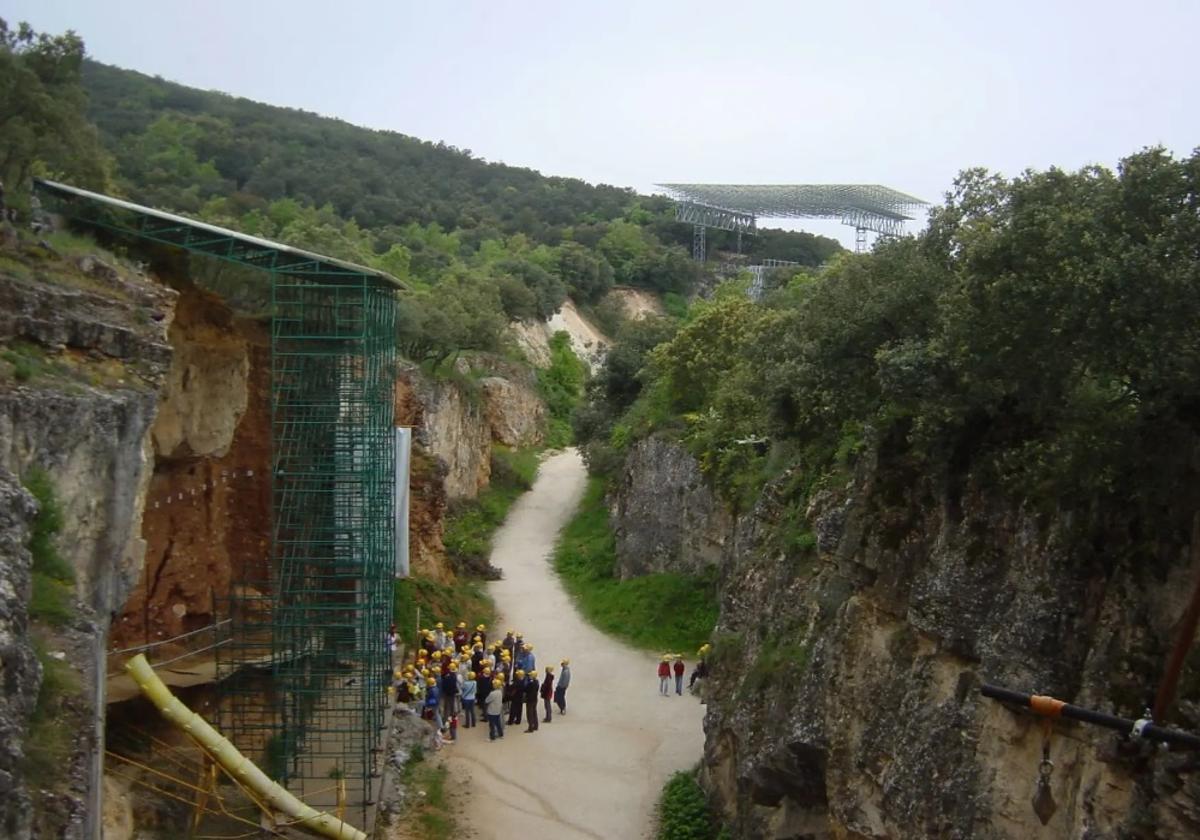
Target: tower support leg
698	247
860	240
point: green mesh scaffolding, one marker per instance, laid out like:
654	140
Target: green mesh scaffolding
318	613
303	665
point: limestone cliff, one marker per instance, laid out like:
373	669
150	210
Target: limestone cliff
844	700
455	423
664	516
84	351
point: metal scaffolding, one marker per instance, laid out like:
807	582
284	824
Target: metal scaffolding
311	615
737	207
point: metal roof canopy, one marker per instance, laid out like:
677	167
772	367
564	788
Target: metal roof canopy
864	206
214	241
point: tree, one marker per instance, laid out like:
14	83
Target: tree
587	274
42	122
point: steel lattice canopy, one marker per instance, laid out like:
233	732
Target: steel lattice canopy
869	206
230	245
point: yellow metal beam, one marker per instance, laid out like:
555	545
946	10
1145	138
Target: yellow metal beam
237	765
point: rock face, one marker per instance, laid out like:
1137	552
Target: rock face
86	351
845	692
664	516
208	501
533	337
21	671
456	421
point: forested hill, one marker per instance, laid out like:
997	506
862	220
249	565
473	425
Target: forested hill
181	147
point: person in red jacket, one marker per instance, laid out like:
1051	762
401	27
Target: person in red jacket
664	676
679	669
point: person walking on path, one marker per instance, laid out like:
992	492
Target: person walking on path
468	701
548	691
531	698
560	690
664	676
495	700
679	669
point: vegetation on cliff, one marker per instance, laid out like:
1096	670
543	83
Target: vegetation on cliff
1040	333
662	612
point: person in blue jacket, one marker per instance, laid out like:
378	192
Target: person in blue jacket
431	702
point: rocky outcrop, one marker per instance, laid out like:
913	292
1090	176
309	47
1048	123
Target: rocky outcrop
533	337
665	517
845	697
448	424
207	503
85	353
457	420
20	671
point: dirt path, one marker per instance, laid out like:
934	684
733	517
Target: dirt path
595	773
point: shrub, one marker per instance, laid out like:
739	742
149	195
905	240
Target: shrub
683	812
52	575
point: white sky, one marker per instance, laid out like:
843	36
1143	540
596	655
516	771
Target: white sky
633	93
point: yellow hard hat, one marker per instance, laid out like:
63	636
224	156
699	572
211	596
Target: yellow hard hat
481	627
520	672
462	625
397	673
679	656
440	626
470	675
497	683
431	681
566	662
437	654
391	690
666	657
527	646
549	669
424	631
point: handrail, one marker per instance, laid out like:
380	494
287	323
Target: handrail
161	642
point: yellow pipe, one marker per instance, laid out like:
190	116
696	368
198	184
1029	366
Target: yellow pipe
238	766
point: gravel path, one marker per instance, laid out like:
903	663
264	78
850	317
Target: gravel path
596	772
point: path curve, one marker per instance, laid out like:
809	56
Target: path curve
596	773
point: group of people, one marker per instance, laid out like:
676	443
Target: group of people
672	663
455	674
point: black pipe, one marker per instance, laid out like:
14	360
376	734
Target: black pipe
1149	731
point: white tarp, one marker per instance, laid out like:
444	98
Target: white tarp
403	452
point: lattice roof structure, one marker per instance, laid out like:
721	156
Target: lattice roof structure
736	206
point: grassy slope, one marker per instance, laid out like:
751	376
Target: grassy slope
665	612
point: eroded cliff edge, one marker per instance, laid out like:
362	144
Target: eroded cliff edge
855	632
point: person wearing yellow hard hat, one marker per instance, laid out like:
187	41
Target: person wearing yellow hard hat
493	708
460	636
516	697
466	692
430	711
547	691
481	633
560	690
509	640
532	689
664	676
679	669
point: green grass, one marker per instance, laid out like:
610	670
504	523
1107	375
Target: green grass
48	738
53	577
464	600
663	612
470	525
432	812
683	812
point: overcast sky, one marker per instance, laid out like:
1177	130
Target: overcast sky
633	93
